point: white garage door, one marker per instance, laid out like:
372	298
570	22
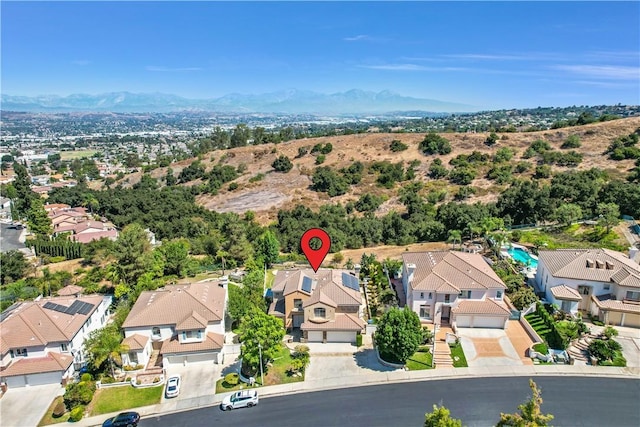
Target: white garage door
463	321
34	379
488	322
185	359
315	336
341	336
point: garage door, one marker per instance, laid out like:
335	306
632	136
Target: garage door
315	336
463	321
479	322
341	336
34	379
632	320
184	359
488	322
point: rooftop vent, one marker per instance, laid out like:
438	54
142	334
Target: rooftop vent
609	265
599	264
589	263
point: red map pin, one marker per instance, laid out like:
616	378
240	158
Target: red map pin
315	257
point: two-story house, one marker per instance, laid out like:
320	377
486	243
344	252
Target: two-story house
180	323
602	282
326	306
457	288
41	341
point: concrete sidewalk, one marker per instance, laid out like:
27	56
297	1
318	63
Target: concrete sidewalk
373	378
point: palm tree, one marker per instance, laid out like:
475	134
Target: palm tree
222	255
455	236
105	345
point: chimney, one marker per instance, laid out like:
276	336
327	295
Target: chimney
599	264
589	263
411	268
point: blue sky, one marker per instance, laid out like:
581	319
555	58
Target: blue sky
488	54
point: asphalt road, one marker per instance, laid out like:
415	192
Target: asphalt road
574	401
9	238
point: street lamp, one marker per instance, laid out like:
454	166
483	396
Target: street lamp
261	373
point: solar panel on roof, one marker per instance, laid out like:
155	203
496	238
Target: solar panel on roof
306	284
350	281
86	308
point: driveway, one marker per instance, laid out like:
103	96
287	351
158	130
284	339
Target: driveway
488	347
198	384
25	406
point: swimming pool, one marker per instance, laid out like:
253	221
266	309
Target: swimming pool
523	256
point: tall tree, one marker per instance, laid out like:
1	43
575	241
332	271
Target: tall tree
530	413
260	334
176	255
399	334
37	218
13	266
268	248
24	195
132	252
440	417
609	214
568	213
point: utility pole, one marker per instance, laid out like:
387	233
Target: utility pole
261	373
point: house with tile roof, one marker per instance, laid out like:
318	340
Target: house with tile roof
177	324
456	288
41	341
326	305
601	282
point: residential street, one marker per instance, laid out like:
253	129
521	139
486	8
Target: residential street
478	402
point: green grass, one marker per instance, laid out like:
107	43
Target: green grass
421	359
576	236
457	352
541	348
279	373
76	154
223	387
116	399
48	416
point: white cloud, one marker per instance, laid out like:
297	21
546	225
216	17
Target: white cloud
491	57
360	37
614	72
162	69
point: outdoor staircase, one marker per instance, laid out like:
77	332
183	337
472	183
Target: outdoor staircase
154	361
442	356
578	349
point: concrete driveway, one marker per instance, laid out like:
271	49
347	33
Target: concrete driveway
198	384
25	406
488	347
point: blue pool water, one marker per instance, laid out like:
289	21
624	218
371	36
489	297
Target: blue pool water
523	256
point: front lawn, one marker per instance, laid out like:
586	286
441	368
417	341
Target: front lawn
421	359
457	355
116	399
278	372
537	323
48	416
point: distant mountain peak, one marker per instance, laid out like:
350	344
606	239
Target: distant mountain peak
290	100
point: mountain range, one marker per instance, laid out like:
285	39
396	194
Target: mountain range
290	101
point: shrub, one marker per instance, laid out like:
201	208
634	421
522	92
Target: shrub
320	159
86	377
138	381
232	378
156	380
55	259
397	145
256	178
233	186
610	332
302	151
491	139
359	338
59	410
76	414
435	144
128	379
108	380
573	141
79	393
541	348
282	164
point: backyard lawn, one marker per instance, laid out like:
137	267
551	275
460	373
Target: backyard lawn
538	325
420	360
457	355
116	399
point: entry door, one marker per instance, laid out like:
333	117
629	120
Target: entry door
446	312
585	291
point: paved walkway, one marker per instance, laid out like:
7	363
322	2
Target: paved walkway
368	377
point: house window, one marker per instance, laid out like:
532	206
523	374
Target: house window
63	347
633	296
155	331
499	294
606	287
447	298
133	357
421	295
464	295
319	312
19	352
566	306
430	295
89	322
425	311
200	335
297	304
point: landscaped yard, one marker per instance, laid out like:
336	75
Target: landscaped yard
538	325
48	416
457	355
116	399
420	360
